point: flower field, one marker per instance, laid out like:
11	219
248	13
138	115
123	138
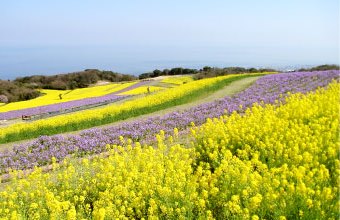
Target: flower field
270	89
60	106
76	99
277	159
178	80
142	90
52	96
89	118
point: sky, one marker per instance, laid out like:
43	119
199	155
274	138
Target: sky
130	36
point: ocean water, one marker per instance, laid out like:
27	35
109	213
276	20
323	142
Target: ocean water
25	61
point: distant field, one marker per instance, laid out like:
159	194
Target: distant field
142	90
57	102
52	96
178	79
89	118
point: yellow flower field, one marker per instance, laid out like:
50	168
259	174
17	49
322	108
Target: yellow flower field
52	96
268	163
178	80
142	90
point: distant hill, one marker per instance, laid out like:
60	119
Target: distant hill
205	72
24	88
12	92
320	68
72	80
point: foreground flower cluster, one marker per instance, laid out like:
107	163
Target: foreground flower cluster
93	141
271	162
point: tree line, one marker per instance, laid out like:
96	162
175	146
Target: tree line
202	73
320	68
12	92
208	71
168	72
72	80
25	88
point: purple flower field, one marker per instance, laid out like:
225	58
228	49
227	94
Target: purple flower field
92	141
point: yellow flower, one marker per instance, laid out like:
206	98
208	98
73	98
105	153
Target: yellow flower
255	201
99	214
71	214
309	203
255	217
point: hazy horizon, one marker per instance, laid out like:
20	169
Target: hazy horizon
40	37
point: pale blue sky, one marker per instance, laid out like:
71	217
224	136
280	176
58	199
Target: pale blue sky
46	37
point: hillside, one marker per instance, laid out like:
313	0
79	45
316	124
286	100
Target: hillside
12	92
73	80
25	88
250	146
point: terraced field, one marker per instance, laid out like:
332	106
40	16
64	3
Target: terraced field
89	118
56	102
234	147
52	96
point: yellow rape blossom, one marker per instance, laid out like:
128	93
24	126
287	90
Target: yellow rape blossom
206	179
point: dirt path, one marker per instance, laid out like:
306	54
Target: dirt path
229	90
